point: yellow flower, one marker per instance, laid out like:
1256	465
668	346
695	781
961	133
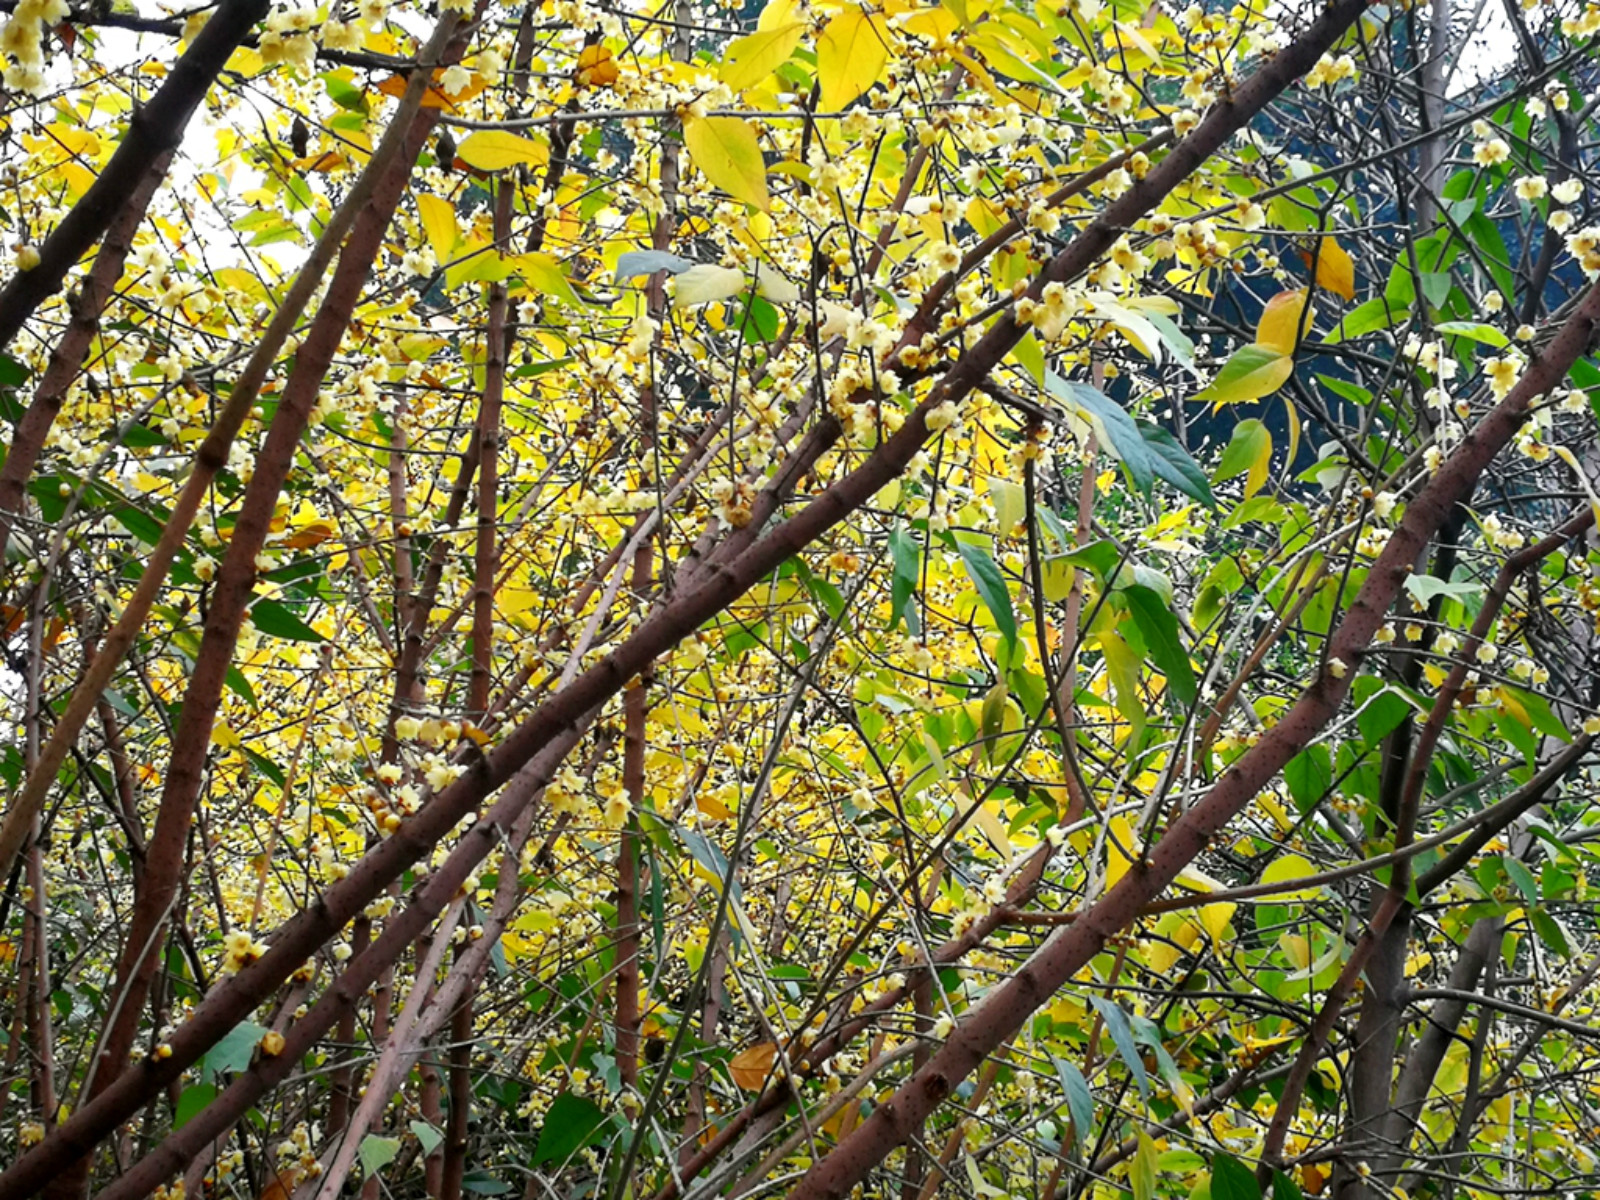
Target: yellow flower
1502	373
1491	153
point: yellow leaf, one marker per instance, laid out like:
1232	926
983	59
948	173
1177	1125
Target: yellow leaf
750	60
1215	918
1290	866
1335	270
706	283
728	154
851	55
750	1068
495	150
776	13
935	24
712	807
1285	321
994	829
312	534
1120	843
597	67
544	274
439	223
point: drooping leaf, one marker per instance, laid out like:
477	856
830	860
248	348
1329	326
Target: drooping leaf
1142	1172
1477	331
1171	462
1080	1101
706	283
1111	422
1249	453
907	554
427	1135
1336	270
851	55
728	153
1116	1023
1285	321
992	587
439	225
1156	622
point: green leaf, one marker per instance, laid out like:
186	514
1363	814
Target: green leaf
1249	450
344	93
1478	332
234	1052
1523	878
1550	932
1309	775
541	272
1142	1173
1250	373
1540	714
1377	313
1080	1101
991	585
266	766
274	620
377	1153
1484	235
758	320
240	686
1111	422
427	1135
12	373
1171	462
1156	622
1284	1188
1101	557
571	1124
1174	339
907	554
1232	1180
1425	588
1116	1022
139	523
1381	715
191	1101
